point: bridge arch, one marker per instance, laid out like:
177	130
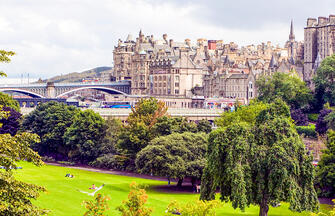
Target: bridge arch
104	89
22	91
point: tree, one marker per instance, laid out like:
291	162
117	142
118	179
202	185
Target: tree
15	196
204	126
246	114
324	80
85	136
300	118
326	167
134	206
330	119
11	124
8	101
174	156
262	163
167	125
321	125
50	121
97	208
139	130
288	87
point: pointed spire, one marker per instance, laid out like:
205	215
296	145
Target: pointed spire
273	62
291	37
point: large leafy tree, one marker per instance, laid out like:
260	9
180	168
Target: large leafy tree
167	125
174	156
288	87
85	136
139	130
326	167
322	125
324	81
50	121
15	196
262	163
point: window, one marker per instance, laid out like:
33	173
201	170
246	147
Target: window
176	91
176	84
177	78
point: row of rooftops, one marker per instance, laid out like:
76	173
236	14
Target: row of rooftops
321	21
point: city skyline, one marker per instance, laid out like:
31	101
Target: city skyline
51	39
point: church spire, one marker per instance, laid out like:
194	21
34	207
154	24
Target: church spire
291	37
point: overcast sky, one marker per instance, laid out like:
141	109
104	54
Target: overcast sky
53	37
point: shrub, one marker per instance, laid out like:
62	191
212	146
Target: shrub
308	131
313	117
97	207
299	117
198	208
322	125
111	161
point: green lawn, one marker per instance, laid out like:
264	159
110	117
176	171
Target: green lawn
62	197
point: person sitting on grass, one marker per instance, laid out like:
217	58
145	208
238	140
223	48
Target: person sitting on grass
93	187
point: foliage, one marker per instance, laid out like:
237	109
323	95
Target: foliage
5	58
168	125
50	121
7	101
198	208
15	196
110	161
174	156
321	125
324	81
139	130
134	206
288	87
330	119
313	117
262	163
97	208
244	114
308	131
300	118
11	124
204	126
85	136
326	167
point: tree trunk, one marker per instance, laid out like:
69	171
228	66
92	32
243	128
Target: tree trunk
264	208
180	182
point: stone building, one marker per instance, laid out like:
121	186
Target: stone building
319	42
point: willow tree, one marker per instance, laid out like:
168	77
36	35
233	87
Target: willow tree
262	163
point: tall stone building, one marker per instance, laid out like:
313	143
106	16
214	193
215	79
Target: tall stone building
319	35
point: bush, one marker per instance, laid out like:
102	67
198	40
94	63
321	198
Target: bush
111	161
313	117
299	117
308	131
321	124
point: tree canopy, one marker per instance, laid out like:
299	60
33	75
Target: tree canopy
85	136
7	101
50	121
326	167
174	156
324	80
288	87
262	163
11	124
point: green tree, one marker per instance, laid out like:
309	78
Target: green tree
324	81
15	196
174	156
246	114
288	87
204	126
326	167
262	163
50	121
139	130
167	125
8	101
85	136
330	119
97	208
134	206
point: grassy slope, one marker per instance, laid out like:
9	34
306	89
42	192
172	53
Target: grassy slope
63	198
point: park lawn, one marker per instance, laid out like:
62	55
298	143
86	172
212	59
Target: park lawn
63	199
